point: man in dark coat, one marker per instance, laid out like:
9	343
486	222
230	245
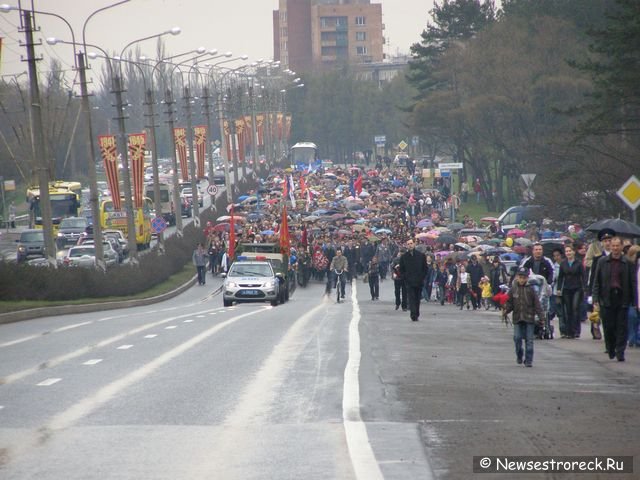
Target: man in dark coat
413	268
351	253
614	287
475	271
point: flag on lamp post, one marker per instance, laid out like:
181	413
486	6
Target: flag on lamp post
109	151
180	138
284	232
200	132
137	145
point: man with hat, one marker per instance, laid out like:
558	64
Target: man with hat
614	287
525	305
604	237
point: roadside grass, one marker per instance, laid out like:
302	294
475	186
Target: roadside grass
170	284
474	210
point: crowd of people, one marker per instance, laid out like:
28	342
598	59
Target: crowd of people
384	224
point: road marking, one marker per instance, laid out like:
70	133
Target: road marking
93	361
213	313
170	327
124	347
48	382
1	407
89	404
363	459
200	316
151	335
39	335
52	362
188	321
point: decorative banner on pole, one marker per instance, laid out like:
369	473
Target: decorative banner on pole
227	134
109	151
240	131
287	128
260	129
200	133
137	144
248	129
180	138
280	120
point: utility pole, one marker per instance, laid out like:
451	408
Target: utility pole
207	113
151	127
224	148
168	101
192	160
39	149
93	177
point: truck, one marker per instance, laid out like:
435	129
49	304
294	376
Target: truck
167	208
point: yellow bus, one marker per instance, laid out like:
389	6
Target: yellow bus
65	198
110	218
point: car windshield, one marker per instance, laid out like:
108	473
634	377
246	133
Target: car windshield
32	237
251	270
79	252
73	223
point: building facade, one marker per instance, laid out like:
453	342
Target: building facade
320	34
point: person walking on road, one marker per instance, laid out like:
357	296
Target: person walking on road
413	268
614	287
525	305
374	278
570	287
400	288
475	271
199	258
12	215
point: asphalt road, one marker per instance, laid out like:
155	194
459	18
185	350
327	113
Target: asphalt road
187	389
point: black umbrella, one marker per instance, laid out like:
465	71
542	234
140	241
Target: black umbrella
621	227
446	238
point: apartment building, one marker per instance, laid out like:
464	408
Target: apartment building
319	34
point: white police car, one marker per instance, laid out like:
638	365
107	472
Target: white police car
250	280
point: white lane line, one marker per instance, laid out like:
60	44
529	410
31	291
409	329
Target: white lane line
40	335
151	335
52	362
188	321
259	397
89	404
363	459
93	361
1	407
124	347
200	316
48	382
213	313
19	340
170	327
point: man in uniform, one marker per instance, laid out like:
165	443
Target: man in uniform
413	268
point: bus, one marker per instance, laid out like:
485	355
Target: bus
65	198
110	218
304	155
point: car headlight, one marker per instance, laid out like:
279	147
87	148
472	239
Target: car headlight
60	234
21	249
232	284
270	283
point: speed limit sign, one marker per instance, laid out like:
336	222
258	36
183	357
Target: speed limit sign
212	189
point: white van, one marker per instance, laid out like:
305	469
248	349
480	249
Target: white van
166	201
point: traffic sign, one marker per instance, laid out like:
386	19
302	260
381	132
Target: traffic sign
630	192
380	140
450	166
158	224
528	178
212	189
403	145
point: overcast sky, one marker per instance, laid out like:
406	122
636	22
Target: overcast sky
240	26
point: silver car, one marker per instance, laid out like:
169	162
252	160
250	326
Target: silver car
81	256
110	254
250	281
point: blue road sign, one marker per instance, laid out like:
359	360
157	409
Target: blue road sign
158	224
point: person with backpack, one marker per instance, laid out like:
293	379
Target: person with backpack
525	305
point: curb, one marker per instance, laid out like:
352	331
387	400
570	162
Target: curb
33	313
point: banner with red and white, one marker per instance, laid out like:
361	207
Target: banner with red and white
137	145
227	133
180	138
109	152
200	133
287	127
260	130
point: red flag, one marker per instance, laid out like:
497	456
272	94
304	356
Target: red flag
232	237
284	232
303	186
358	184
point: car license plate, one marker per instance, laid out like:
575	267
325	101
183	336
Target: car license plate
250	292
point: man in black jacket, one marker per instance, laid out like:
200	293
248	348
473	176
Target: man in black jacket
539	264
474	269
400	288
413	268
614	287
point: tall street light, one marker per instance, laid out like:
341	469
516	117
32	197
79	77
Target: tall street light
117	90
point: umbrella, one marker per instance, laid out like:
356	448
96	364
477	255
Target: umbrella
462	246
255	216
511	256
443	253
222	227
319	212
372	238
397	202
491	241
359	228
363	194
354	206
425	222
241	198
618	225
310	218
423	235
349	221
421	247
455	226
250	199
525	242
344	232
516	233
267	232
383	230
227	218
446	238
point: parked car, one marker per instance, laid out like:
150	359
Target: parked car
80	256
110	254
514	216
30	244
70	230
